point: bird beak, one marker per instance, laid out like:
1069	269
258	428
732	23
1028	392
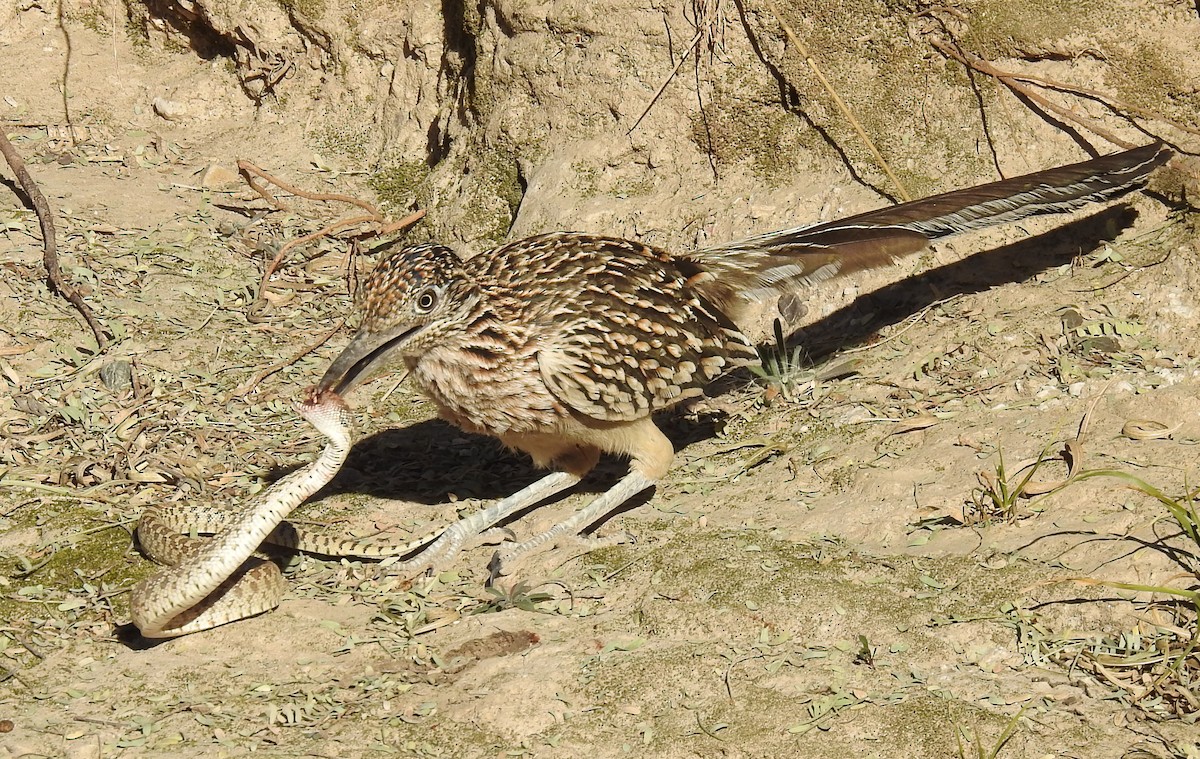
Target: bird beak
366	353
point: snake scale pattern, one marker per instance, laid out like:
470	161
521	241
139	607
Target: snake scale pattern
206	582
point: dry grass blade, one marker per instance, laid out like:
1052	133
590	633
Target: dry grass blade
662	87
1072	452
1155	668
1072	455
1148	429
801	48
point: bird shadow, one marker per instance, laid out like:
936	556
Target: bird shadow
859	322
430	461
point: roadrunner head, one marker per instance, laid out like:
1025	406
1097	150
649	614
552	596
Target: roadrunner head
413	298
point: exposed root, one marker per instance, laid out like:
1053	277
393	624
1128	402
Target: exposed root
1021	85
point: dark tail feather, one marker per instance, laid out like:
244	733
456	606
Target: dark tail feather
761	266
1052	191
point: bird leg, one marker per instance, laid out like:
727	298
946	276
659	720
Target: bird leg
629	486
450	542
651	453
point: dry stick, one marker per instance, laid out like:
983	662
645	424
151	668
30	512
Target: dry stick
249	385
662	87
248	169
407	221
263	192
1010	81
412	218
269	272
50	259
901	190
322	232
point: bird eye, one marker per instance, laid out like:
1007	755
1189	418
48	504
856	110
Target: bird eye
426	301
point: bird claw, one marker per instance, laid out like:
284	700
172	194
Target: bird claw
494	536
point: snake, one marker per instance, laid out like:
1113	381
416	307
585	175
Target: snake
206	582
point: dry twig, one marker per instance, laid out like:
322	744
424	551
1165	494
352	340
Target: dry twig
246	168
246	387
901	190
1014	83
50	258
1186	165
372	216
662	87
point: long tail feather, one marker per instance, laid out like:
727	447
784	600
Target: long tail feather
762	266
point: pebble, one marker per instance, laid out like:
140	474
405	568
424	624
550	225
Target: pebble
171	110
217	175
117	375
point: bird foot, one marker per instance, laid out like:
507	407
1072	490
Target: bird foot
493	537
632	483
450	542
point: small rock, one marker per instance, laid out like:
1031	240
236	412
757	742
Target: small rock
1046	391
117	375
171	110
217	175
27	404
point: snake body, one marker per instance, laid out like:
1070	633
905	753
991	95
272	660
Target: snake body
208	582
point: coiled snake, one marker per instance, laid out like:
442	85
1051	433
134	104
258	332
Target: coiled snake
208	582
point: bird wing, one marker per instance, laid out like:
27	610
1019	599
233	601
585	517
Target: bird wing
634	338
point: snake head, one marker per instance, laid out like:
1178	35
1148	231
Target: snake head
314	396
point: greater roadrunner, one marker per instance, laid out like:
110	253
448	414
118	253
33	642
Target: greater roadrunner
564	345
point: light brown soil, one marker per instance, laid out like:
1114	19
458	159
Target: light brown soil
821	575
